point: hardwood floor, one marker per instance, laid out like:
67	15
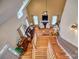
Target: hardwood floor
40	52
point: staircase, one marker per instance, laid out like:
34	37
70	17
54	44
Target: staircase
60	54
44	47
40	52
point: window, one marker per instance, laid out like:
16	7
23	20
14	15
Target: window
20	14
54	20
35	19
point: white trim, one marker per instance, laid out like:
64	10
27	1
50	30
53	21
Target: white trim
3	49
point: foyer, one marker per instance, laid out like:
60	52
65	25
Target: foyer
38	29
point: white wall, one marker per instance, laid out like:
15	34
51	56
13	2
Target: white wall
8	8
69	17
8	31
8	20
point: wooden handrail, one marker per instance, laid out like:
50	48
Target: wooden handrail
50	52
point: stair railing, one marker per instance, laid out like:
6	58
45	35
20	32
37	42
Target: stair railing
34	41
50	52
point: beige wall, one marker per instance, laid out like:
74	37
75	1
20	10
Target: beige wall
8	21
69	17
54	7
8	31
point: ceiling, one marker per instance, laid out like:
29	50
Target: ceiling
54	7
8	9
